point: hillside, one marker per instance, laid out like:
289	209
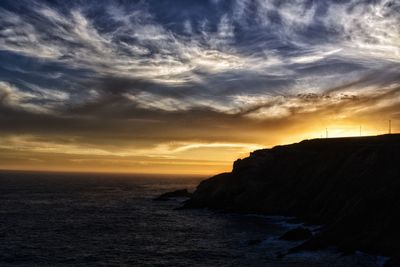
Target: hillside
351	186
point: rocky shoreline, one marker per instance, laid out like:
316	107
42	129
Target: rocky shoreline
349	185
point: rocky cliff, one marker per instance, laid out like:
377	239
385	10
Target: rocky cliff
351	186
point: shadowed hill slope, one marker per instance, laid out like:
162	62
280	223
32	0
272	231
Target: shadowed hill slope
350	185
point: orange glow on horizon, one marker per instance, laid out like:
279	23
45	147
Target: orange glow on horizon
178	158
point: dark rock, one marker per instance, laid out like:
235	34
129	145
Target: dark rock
254	242
347	253
309	245
181	193
280	255
349	185
294	221
393	262
297	234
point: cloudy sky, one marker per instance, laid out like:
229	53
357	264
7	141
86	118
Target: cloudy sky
187	86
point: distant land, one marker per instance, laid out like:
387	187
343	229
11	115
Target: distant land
350	186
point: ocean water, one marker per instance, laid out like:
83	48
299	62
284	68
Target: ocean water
112	220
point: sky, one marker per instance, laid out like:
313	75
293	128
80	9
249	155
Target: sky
188	86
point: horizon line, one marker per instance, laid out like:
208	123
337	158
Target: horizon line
128	173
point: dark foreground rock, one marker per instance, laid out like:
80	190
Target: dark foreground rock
254	242
174	194
297	234
393	262
349	185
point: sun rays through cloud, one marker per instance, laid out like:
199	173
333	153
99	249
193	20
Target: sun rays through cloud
169	83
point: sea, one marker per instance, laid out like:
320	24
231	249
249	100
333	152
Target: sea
61	219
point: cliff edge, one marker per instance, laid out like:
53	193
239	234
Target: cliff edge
351	186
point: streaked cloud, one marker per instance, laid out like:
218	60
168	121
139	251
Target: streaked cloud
135	78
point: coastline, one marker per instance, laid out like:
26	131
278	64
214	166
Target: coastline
348	185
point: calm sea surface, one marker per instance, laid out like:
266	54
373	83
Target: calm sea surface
92	220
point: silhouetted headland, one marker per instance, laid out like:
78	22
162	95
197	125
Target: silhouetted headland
351	186
180	193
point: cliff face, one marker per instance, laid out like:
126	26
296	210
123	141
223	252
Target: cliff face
349	185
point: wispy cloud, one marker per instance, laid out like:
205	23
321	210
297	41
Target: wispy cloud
37	100
292	38
206	75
